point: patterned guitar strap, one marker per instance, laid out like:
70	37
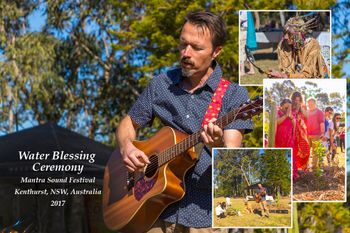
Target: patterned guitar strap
213	108
216	102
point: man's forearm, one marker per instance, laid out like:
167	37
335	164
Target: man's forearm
126	132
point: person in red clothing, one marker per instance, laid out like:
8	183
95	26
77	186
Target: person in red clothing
315	127
301	148
284	136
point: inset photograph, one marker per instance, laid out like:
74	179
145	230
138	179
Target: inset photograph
283	44
251	188
310	117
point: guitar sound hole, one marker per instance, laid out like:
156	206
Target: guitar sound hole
152	168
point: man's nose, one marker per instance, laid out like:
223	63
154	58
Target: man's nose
186	52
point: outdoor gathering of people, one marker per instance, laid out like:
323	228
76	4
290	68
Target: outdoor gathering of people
300	125
289	48
260	197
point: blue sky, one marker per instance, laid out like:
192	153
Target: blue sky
37	19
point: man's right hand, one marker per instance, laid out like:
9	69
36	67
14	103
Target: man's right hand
134	159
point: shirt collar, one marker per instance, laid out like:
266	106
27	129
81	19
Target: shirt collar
212	81
215	77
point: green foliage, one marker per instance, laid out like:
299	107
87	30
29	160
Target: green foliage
230	211
319	151
324	217
275	170
237	169
340	38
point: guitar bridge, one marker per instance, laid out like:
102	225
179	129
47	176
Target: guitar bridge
130	181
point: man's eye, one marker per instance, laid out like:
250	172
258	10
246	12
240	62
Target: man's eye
182	46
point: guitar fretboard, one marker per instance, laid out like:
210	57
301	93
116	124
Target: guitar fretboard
195	138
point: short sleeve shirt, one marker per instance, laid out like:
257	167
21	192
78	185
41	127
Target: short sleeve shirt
262	190
184	111
330	127
314	121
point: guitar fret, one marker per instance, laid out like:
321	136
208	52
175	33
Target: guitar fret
195	138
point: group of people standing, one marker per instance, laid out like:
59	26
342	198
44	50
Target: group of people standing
300	127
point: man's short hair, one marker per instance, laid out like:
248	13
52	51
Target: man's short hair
208	20
311	99
328	109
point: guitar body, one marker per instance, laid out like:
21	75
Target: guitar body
132	203
258	197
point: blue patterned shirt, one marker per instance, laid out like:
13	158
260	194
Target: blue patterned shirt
184	111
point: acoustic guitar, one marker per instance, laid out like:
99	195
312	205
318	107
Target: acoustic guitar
258	197
133	201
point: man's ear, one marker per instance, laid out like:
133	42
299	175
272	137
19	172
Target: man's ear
216	52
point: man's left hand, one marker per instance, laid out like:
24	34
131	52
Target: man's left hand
276	74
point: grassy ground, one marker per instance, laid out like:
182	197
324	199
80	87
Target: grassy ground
265	59
254	219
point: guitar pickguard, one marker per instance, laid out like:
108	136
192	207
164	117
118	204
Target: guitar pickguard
142	186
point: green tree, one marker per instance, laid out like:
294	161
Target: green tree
310	89
234	170
336	101
278	92
323	217
340	38
275	170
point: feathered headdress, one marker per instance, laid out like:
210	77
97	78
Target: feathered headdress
299	27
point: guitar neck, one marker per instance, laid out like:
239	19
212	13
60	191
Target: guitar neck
195	138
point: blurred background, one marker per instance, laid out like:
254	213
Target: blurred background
81	64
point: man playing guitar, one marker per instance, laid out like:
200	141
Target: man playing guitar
180	98
260	198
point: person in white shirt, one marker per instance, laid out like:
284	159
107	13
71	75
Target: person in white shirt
220	212
228	201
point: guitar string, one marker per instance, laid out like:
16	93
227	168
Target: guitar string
165	157
173	149
166	153
192	139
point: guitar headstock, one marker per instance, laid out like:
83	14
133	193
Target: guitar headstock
250	108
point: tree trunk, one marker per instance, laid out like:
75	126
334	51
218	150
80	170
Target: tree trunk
244	175
272	126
